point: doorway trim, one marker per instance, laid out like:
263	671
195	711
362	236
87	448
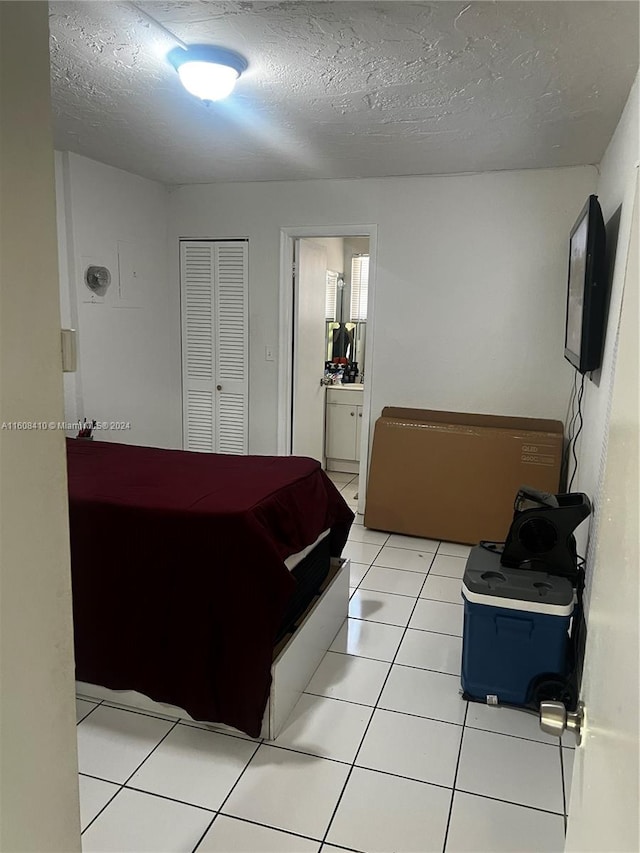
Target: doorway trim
285	342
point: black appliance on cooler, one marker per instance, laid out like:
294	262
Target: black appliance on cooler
541	534
515	642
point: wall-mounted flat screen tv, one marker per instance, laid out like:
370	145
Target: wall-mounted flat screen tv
586	289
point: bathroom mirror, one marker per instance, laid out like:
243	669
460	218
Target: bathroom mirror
346	312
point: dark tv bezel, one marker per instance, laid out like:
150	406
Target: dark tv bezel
594	290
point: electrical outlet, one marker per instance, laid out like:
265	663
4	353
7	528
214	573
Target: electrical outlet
268	354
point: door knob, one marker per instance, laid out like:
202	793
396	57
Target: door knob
555	719
219	387
353	414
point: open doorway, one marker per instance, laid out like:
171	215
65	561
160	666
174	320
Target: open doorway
327	277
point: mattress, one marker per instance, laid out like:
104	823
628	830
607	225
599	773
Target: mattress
292	561
179	569
309	573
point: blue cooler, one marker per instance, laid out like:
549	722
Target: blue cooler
516	629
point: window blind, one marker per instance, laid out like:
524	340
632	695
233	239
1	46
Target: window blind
330	298
359	287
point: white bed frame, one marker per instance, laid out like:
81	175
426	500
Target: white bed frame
293	666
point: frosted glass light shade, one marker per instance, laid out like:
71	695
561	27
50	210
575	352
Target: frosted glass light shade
207	71
208	80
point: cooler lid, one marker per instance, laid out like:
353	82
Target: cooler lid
485	581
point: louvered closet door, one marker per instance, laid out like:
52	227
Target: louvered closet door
231	347
214	345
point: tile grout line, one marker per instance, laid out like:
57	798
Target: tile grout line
209	727
108	803
375	565
103	809
222	804
564	793
355	758
169	799
388	674
88	714
507	802
352	764
267	826
474	728
176	722
393	625
404	595
122	784
455	779
167	718
388	710
85	698
382	660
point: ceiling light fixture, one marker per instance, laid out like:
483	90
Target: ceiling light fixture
207	71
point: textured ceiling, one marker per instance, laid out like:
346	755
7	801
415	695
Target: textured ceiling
345	89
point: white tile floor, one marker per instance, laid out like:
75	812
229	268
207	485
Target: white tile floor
381	754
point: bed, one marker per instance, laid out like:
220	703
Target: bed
189	568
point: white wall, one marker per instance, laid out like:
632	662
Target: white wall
615	187
129	343
603	812
335	252
38	771
470	282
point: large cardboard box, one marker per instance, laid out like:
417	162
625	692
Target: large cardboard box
453	476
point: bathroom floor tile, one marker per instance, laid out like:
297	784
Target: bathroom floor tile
340	478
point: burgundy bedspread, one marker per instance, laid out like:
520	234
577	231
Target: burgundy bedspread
179	582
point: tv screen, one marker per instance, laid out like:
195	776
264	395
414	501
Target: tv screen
586	289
